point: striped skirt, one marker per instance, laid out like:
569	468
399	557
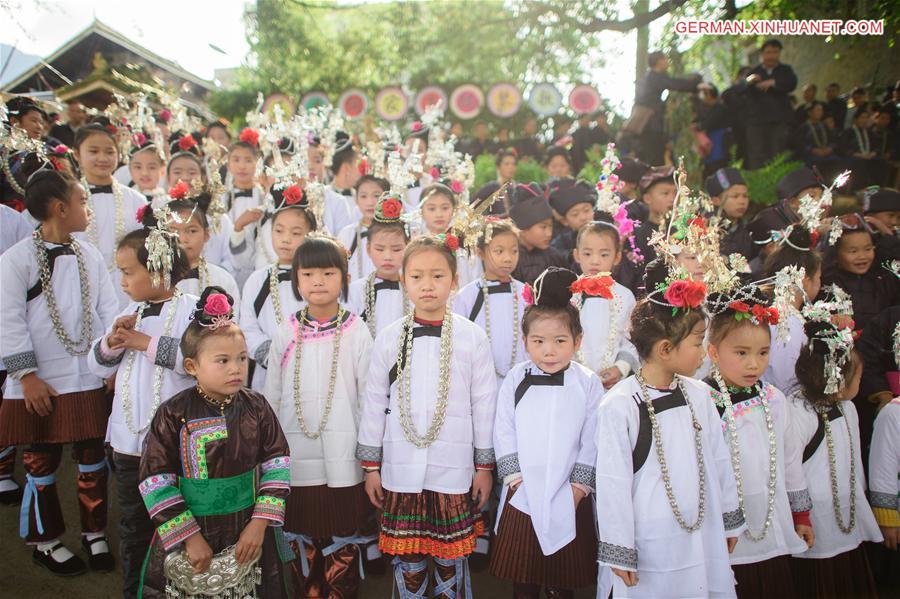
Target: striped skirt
75	417
844	575
768	579
322	511
517	556
429	523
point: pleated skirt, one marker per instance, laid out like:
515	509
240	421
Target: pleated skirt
322	511
516	553
75	417
844	575
768	579
429	523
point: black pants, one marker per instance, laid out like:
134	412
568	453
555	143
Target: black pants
652	147
764	141
135	527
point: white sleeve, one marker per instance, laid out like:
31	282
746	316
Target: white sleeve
273	387
722	469
483	393
100	362
362	354
375	401
615	477
257	340
107	300
584	472
884	461
505	446
16	347
794	478
242	247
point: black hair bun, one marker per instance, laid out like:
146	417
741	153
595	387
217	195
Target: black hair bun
200	311
34	176
800	237
604	217
655	275
552	287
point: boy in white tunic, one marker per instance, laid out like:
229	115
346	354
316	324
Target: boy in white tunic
56	296
425	434
667	508
317	376
545	439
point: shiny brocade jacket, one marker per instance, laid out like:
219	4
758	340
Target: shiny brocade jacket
200	462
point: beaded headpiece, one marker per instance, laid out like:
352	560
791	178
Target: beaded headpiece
811	212
836	333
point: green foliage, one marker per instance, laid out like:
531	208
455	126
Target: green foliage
485	170
527	170
761	182
592	169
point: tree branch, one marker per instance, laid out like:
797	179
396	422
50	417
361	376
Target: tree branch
597	25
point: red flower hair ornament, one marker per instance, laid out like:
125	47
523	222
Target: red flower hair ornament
250	136
179	191
186	143
685	294
595	286
293	195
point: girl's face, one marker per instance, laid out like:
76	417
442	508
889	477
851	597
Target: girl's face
559	167
191	235
437	211
735	200
597	253
320	286
550	344
506	170
743	355
221	364
812	284
686	357
32	122
218	135
691	264
76	214
136	281
386	251
289	229
660	198
316	162
428	281
183	169
98	157
501	256
242	165
367	198
856	252
146	169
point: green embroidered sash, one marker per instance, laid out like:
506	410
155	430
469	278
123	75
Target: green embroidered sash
219	496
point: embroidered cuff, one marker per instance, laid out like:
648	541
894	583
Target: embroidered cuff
583	474
269	508
484	459
887	518
733	519
166	352
106	356
20	361
507	465
623	366
801	519
276	474
368	454
177	529
159	492
21	374
617	556
800	501
884	500
511	478
261	355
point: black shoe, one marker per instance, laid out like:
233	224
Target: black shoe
99	562
71	567
11	497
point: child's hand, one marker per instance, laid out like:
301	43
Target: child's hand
515	484
610	376
198	552
134	340
629	578
373	488
124	322
878	225
250	542
806	533
37	395
481	487
578	494
732	542
115	340
111	383
891	536
249	216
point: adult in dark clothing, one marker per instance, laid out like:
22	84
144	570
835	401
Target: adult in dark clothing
809	100
769	112
835	106
860	154
75	118
713	120
816	144
480	143
528	145
736	102
653	138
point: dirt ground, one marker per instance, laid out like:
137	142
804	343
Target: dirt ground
20	579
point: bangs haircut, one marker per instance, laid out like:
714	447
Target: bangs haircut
396	227
429	244
320	251
438	189
85	132
599	227
499	227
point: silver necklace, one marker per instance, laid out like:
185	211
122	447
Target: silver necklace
332	381
832	471
515	321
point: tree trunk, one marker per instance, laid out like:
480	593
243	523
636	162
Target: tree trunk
643	42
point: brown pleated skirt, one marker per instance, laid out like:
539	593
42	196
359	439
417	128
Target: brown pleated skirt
75	417
768	579
322	511
516	553
844	575
429	523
